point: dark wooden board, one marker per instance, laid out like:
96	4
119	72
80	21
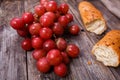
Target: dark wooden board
16	64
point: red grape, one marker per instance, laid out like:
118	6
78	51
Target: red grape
61	70
63	8
54	57
17	23
26	44
49	44
45	33
28	17
72	50
57	15
51	6
69	16
66	59
51	15
74	30
35	28
40	10
43	65
23	32
46	21
37	43
42	2
63	20
57	29
61	44
38	53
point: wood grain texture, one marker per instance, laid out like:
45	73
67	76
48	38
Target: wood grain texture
15	64
113	6
12	57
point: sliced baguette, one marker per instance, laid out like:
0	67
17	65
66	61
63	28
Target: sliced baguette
107	50
92	18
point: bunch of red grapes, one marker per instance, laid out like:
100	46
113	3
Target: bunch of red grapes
42	33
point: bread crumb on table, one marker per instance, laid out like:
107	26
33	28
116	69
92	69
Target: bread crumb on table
89	62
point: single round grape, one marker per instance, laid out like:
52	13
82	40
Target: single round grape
39	10
45	33
28	17
17	23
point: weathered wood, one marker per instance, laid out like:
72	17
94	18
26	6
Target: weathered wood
17	65
113	6
12	57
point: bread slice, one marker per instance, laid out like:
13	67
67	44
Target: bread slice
92	18
107	50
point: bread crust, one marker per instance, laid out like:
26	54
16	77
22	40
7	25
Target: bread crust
89	13
111	40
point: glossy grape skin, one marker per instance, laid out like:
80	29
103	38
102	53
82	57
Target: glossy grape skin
39	10
17	23
72	50
45	33
49	44
54	57
35	28
63	20
51	15
43	65
69	16
28	17
37	43
57	29
26	44
61	44
63	8
61	70
46	21
51	6
74	29
38	53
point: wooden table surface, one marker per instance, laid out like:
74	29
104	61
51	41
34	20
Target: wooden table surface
17	64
